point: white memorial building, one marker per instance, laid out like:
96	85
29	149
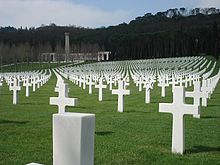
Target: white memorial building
68	57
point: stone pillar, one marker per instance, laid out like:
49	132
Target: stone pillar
107	56
103	57
73	139
67	47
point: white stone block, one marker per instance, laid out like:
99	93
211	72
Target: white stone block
73	139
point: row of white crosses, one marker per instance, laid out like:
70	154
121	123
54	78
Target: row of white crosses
178	78
14	81
87	76
63	99
100	81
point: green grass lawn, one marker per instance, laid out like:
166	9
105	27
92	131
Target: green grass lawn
140	135
28	67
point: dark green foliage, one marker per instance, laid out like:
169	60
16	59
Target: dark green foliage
150	36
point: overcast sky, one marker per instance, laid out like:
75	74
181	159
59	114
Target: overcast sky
86	13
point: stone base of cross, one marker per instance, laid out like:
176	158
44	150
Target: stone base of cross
73	139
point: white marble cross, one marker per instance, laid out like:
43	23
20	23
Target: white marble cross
38	82
60	81
121	92
197	95
100	86
33	81
148	87
84	82
205	89
1	82
27	84
90	83
140	82
110	82
16	87
178	108
62	100
163	86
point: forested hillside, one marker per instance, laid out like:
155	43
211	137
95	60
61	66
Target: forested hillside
176	32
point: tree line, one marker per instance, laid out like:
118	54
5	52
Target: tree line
164	34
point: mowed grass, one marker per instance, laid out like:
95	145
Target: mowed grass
141	135
21	67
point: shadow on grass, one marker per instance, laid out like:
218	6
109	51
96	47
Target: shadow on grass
104	133
26	103
13	122
210	117
214	105
199	149
133	111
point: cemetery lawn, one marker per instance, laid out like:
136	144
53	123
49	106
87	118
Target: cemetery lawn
141	135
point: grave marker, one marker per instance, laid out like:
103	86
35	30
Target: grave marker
100	86
197	95
62	100
178	108
15	88
121	92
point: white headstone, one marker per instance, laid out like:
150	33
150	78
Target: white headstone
110	82
121	92
27	84
62	100
73	139
197	95
163	86
15	88
90	83
178	108
100	86
148	87
33	81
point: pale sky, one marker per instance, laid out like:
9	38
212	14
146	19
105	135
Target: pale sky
86	13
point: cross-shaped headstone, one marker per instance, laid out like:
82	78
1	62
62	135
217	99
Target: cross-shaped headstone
100	86
121	92
16	87
178	108
110	82
84	82
62	100
163	86
27	84
90	83
173	82
148	86
205	89
33	81
197	95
